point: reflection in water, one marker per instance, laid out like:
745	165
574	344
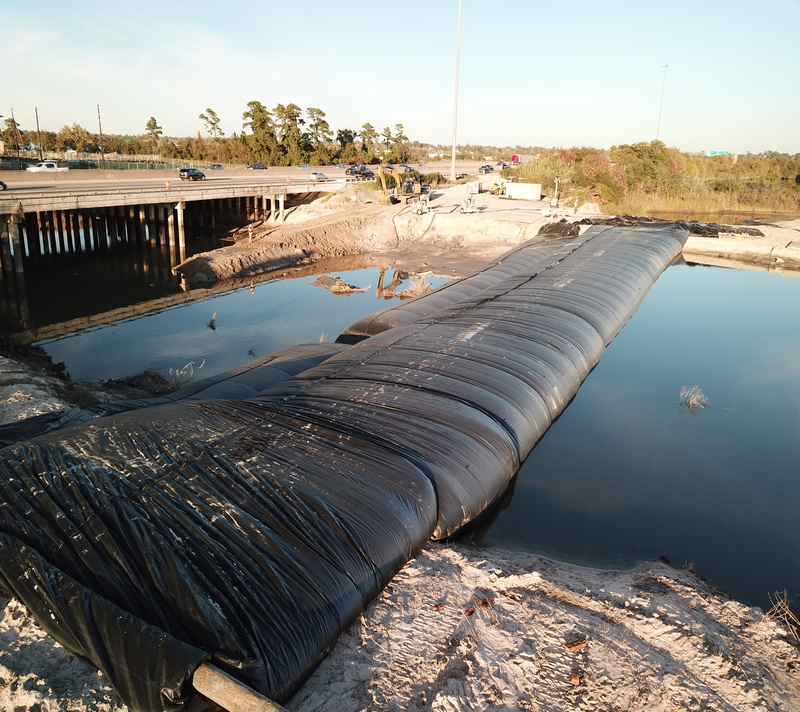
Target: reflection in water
625	475
225	326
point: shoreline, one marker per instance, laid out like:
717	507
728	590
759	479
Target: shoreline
479	628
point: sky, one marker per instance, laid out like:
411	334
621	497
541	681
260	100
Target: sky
700	75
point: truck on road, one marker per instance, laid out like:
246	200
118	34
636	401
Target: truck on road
516	159
47	167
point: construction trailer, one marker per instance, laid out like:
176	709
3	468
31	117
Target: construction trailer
524	191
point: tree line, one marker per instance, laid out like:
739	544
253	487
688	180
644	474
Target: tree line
636	177
644	177
281	136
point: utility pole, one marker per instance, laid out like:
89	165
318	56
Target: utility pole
455	101
661	103
38	133
16	132
102	149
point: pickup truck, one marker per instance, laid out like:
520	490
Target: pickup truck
46	167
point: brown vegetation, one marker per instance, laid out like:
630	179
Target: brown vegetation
649	178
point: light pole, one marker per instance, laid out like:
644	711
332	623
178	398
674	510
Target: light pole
661	103
455	100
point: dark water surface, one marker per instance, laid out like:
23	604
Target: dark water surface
246	325
625	474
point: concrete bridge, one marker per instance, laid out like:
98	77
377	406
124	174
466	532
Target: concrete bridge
156	223
79	217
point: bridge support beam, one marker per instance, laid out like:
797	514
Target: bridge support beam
12	245
181	230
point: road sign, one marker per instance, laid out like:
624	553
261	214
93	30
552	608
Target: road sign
719	153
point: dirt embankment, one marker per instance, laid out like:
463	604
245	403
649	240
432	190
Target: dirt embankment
353	222
274	248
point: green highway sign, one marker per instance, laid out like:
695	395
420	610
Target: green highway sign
718	153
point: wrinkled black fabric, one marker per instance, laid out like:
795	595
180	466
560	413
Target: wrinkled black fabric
694	227
561	228
252	532
527	258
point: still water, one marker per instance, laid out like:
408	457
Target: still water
625	474
248	323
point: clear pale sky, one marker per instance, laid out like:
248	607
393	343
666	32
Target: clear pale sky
584	73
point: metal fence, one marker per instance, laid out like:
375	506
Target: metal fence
19	160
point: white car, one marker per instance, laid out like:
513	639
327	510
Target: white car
319	177
46	167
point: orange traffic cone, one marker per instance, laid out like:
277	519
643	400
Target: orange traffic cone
167	185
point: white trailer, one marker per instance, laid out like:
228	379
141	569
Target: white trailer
524	191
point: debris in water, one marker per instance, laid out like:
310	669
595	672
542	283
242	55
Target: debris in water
693	400
337	285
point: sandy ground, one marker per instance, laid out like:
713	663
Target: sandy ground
473	628
463	628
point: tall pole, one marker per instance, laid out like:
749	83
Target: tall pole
455	100
102	150
38	133
661	103
16	132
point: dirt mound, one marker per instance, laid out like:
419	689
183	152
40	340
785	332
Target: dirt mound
353	231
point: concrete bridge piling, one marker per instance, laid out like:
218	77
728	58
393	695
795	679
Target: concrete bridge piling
154	228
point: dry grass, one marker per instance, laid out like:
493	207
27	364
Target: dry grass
179	377
693	400
419	285
781	611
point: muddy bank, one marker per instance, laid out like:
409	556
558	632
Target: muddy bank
274	248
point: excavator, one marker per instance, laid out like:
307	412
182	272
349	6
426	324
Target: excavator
404	186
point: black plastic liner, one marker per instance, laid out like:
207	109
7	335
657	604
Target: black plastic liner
528	258
253	532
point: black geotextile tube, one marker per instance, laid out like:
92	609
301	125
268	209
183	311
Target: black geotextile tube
527	258
474	386
215	527
252	532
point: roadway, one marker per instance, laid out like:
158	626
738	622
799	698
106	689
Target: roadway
76	181
82	188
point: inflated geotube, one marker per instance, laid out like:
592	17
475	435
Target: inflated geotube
528	258
251	533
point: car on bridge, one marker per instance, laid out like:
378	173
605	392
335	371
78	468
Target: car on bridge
318	177
256	167
3	186
191	174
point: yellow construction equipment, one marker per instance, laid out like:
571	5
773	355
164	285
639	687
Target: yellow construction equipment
404	186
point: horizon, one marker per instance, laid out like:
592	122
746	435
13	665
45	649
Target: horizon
592	77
